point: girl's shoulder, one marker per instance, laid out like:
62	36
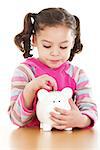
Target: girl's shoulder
70	68
25	69
74	71
30	61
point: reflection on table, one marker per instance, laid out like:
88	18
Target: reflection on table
36	139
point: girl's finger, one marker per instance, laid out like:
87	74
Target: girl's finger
45	86
61	111
59	126
52	82
57	120
73	105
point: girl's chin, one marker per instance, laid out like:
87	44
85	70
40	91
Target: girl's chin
54	66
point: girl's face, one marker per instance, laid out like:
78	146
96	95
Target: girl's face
54	45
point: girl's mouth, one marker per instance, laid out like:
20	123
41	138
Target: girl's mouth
54	61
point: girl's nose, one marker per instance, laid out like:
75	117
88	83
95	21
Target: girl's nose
55	52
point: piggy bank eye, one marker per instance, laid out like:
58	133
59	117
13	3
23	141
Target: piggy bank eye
53	101
59	101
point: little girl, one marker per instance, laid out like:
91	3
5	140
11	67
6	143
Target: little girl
56	34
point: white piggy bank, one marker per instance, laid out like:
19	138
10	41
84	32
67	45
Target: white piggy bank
47	101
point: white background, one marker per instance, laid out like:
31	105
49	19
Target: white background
12	13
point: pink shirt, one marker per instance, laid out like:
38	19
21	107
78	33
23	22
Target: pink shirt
66	75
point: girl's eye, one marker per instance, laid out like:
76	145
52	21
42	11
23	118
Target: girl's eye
46	46
63	47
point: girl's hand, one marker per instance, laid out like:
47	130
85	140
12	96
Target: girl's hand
46	82
69	119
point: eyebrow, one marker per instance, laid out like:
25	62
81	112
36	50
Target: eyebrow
46	41
51	42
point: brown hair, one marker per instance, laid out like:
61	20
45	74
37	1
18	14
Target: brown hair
33	23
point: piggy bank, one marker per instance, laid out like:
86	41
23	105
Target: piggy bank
47	101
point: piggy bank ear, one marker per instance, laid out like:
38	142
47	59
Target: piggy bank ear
67	92
42	93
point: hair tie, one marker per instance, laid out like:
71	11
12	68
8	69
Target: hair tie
34	15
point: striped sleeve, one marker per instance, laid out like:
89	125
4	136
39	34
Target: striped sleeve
20	115
84	98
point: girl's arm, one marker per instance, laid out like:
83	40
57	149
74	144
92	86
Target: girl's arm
83	113
84	99
18	112
23	94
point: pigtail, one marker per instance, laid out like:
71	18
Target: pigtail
78	45
48	17
23	39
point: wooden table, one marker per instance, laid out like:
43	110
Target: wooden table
36	139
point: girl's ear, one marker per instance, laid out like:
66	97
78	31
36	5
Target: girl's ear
34	41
